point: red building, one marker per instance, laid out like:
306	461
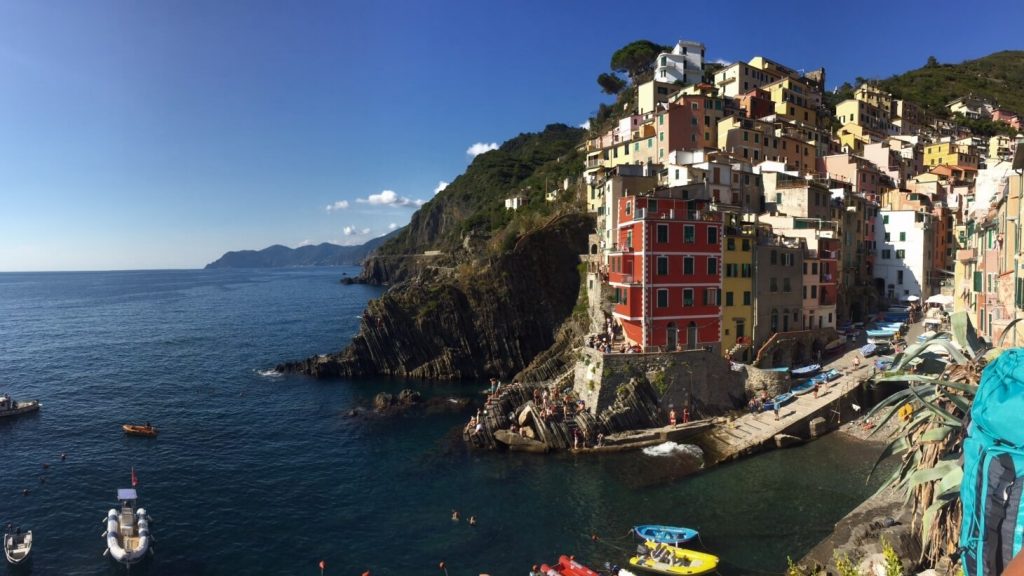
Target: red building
666	271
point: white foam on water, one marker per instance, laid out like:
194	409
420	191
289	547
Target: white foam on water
269	373
672	448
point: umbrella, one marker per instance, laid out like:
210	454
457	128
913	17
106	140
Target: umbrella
941	299
912	298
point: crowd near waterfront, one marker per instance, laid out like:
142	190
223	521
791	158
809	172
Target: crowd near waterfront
255	473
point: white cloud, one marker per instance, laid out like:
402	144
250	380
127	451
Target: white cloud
353	231
364	231
721	62
392	226
585	125
348	230
389	198
481	147
305	243
441	186
339	205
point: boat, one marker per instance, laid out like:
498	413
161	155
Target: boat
140	430
867	350
11	407
779	400
568	566
783	369
673	535
881	333
804	387
806	370
664	559
883	363
127	532
828	376
17	545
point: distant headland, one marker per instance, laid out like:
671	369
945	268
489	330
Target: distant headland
278	256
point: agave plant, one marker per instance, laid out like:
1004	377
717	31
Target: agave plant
930	440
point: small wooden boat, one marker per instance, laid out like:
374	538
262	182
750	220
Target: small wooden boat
779	401
140	430
17	545
11	407
806	370
127	532
664	559
567	566
783	369
672	535
804	387
829	376
867	350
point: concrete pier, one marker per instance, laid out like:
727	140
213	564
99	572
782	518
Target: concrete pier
834	405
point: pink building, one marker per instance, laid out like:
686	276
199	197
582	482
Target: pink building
1006	117
866	178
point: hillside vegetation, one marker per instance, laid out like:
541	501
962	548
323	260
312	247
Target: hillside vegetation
998	77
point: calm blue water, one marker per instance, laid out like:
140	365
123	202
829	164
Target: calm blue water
265	475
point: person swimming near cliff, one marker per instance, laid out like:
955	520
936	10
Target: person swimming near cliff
472	520
455	515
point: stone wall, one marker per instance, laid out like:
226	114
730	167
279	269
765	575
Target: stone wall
700	380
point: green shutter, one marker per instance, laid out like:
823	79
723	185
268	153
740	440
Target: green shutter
977	281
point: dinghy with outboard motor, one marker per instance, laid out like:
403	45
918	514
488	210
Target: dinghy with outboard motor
128	537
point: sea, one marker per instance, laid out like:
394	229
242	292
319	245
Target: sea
259	473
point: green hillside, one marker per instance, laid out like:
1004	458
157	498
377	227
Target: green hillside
998	77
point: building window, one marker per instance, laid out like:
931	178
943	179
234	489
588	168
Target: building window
662	265
689	234
814	268
662	298
662	233
687	265
746	298
886	254
746	245
712	297
785	285
712	266
747	270
730	243
687	296
731	270
901	254
774	285
774	259
728	299
814	291
903	236
887	237
899	276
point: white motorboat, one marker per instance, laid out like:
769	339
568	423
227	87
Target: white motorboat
17	545
127	534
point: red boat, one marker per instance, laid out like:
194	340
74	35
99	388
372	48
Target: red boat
567	566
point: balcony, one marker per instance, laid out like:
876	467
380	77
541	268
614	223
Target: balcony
965	256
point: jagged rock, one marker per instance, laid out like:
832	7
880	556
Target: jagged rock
493	319
386	402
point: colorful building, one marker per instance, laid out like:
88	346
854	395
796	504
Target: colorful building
665	271
738	287
683	65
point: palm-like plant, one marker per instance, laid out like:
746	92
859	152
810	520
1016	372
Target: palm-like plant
930	440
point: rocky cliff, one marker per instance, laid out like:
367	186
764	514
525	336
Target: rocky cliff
486	316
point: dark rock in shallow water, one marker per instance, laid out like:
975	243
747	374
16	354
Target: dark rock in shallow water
386	402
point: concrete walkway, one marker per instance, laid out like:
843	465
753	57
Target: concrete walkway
835	403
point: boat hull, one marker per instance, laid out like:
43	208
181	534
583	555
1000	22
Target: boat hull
672	535
17	548
130	548
779	401
26	407
143	431
665	559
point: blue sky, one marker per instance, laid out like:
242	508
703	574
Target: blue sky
162	134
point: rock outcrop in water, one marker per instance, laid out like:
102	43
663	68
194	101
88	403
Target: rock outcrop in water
483	318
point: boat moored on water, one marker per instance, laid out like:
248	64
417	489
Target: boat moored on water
145	430
127	534
664	559
12	407
567	566
673	535
17	545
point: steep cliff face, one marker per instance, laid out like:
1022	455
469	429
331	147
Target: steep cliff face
485	317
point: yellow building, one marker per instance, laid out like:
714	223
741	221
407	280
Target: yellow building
738	288
949	153
868	116
794	100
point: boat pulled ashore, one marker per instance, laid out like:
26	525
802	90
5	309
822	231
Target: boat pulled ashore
128	537
11	407
664	559
17	545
